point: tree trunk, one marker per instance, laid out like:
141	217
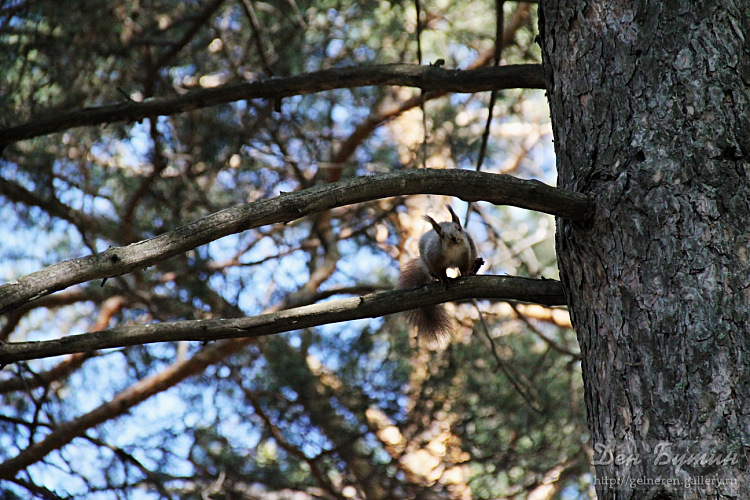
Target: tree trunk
650	104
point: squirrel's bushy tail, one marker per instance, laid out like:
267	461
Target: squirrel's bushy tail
432	322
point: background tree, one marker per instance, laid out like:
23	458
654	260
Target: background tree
650	106
126	122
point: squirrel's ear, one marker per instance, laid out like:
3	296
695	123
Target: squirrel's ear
454	217
435	225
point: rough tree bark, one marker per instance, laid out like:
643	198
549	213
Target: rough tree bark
650	105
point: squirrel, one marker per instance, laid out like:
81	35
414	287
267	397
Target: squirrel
447	245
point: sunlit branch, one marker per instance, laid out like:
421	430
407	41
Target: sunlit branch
467	185
547	292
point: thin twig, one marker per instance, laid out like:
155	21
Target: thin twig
493	95
417	4
522	387
255	28
551	343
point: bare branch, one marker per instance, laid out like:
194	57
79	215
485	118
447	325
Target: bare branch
425	77
469	186
547	292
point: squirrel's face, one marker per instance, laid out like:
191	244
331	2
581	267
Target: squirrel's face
453	235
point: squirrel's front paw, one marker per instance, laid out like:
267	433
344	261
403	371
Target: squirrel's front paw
478	262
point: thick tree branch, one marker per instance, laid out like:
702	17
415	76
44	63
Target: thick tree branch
467	185
547	292
425	77
470	186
